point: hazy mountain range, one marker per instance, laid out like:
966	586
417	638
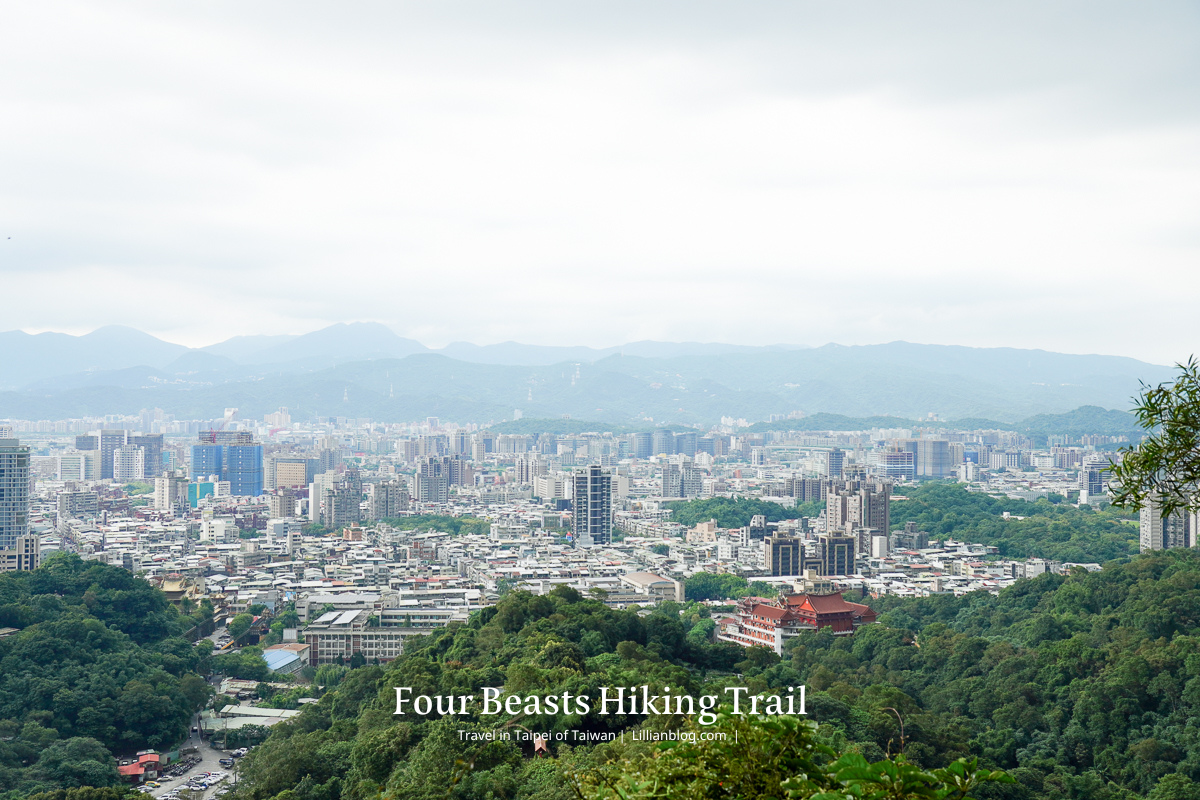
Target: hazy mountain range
366	370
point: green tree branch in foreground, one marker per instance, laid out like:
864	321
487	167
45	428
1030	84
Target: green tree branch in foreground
1166	464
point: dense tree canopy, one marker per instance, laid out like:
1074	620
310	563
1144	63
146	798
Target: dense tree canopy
736	512
748	758
1082	687
441	522
723	586
1046	529
97	668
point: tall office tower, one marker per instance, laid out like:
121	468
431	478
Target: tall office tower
281	506
207	459
931	456
875	507
957	453
685	443
171	492
435	444
433	480
783	555
895	463
805	490
662	442
857	504
691	479
109	441
328	458
837	554
87	441
460	443
1159	532
352	480
592	514
152	443
835	463
672	481
460	471
321	482
283	471
235	458
387	500
456	469
78	466
529	467
682	480
244	469
341	506
643	444
129	463
1094	472
19	550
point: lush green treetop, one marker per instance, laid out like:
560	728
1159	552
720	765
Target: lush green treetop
736	512
1165	466
1047	529
440	522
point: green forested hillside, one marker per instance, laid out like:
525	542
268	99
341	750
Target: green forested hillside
351	745
1083	687
736	512
97	669
1046	528
1055	530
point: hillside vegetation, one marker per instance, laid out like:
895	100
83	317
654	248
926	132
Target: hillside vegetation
1082	687
1048	528
97	669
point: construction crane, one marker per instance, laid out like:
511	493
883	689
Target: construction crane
211	434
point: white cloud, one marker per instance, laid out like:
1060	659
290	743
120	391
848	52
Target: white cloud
604	175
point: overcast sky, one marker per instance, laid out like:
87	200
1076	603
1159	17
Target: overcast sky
595	173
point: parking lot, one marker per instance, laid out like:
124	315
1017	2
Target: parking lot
172	786
209	762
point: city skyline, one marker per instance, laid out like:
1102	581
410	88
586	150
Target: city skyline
946	173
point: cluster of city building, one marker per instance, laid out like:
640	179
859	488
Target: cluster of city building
321	515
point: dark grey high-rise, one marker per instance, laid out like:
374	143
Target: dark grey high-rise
152	443
108	442
18	549
592	518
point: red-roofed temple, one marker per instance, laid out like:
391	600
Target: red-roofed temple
771	623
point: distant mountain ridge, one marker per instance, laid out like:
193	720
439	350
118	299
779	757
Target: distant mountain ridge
366	370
